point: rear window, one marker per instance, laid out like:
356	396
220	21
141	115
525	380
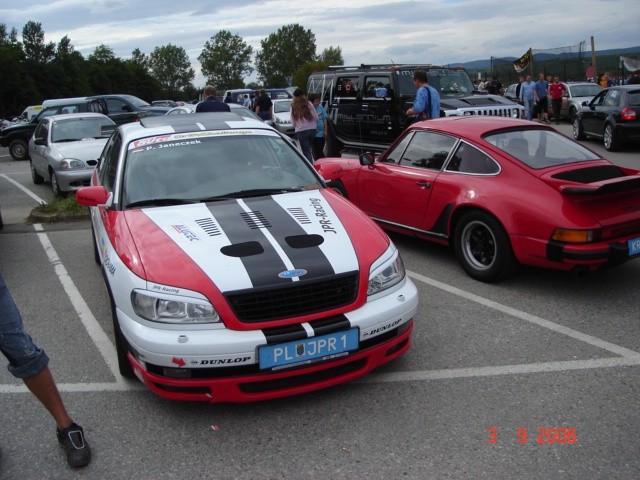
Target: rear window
539	148
634	99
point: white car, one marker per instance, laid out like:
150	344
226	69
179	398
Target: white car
235	108
64	149
282	116
233	272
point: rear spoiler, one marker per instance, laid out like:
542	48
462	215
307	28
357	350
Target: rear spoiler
613	185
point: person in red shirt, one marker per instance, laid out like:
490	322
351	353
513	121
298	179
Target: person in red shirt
556	90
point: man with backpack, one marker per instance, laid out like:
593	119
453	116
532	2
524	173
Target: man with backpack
427	103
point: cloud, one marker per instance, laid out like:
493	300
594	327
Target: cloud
367	31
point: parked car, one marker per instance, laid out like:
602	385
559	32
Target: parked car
64	149
501	192
510	92
613	115
238	276
191	108
164	103
123	108
17	136
577	93
282	116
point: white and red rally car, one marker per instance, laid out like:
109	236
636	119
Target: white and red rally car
234	274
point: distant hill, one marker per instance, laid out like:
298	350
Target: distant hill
486	64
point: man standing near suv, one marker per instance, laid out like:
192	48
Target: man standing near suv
427	103
211	103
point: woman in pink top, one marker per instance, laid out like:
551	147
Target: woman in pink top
303	118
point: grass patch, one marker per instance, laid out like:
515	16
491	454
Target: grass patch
59	209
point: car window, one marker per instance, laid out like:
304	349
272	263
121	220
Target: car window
395	154
41	130
377	86
540	148
598	100
73	129
347	86
427	150
281	106
584	90
468	159
212	165
634	99
612	98
109	162
115	105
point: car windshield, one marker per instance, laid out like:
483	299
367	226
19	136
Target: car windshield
279	107
136	102
539	148
207	166
450	82
589	90
74	129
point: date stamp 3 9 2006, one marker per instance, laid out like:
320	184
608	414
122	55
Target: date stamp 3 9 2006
546	436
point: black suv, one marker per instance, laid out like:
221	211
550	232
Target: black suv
16	137
367	104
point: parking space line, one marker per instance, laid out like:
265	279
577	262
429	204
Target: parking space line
95	331
541	322
23	188
475	372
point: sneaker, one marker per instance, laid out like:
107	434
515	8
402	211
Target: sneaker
73	441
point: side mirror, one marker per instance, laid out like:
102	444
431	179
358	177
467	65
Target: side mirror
366	158
93	197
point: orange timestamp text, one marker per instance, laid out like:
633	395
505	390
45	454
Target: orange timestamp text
546	436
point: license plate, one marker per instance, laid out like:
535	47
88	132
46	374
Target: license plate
634	246
309	350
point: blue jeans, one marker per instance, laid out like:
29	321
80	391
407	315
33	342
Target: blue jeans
25	358
528	108
305	138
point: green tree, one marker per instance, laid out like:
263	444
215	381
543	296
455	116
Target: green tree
33	43
331	56
171	67
67	72
283	52
102	54
139	58
225	59
302	74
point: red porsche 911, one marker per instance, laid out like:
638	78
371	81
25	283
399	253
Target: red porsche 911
501	192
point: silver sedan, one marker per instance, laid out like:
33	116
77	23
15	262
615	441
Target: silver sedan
64	149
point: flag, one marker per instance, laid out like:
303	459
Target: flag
523	62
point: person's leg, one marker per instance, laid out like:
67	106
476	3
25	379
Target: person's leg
44	388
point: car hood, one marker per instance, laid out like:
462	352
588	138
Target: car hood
447	102
254	242
88	149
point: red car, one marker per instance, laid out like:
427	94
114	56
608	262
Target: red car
501	191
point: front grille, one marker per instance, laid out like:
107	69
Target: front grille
299	298
493	111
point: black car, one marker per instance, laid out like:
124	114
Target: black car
613	115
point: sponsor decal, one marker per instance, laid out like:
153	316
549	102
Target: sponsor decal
150	141
186	232
108	265
298	272
382	329
221	361
178	361
322	215
163	289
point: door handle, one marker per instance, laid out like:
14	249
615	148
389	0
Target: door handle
424	183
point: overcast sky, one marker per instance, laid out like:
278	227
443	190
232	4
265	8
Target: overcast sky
367	31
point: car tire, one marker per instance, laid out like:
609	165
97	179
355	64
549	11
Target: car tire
333	147
55	186
35	176
122	347
578	131
18	149
482	247
96	253
338	186
610	139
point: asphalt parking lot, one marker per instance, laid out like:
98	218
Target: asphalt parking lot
534	377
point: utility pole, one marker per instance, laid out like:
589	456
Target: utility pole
593	61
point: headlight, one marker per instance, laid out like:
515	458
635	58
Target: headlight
168	309
386	276
71	163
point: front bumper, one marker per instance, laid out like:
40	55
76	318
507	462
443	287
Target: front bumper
384	325
71	180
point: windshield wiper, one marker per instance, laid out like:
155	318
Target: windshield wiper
160	202
257	192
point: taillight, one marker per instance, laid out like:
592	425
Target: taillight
628	114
